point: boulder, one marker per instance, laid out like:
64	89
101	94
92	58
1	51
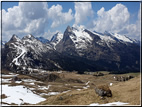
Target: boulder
99	74
103	90
122	78
130	77
52	77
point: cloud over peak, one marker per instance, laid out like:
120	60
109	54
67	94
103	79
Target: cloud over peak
112	19
37	19
117	19
82	11
27	17
58	17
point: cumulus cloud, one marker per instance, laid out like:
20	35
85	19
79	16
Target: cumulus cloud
83	10
58	17
116	20
35	17
33	10
27	17
113	20
134	30
32	18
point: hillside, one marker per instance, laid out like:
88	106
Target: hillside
128	92
69	88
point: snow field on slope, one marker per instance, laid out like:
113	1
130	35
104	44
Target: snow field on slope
23	49
105	38
57	39
82	38
19	95
123	38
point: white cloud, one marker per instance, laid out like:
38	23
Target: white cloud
112	20
116	20
32	18
33	10
83	10
27	17
58	17
134	30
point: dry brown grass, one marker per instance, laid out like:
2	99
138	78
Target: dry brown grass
3	96
4	71
128	91
24	77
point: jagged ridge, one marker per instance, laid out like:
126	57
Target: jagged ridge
77	49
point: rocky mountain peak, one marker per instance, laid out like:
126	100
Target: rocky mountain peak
29	36
76	49
68	29
15	38
107	33
56	37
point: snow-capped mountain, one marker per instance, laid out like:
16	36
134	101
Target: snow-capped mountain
26	51
29	53
77	49
42	39
56	39
106	49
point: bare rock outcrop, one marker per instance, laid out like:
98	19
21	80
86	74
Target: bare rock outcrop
103	90
122	78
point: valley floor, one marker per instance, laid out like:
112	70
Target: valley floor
70	89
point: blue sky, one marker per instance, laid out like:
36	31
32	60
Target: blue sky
47	18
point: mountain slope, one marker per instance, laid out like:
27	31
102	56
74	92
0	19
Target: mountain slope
77	49
106	50
29	53
26	52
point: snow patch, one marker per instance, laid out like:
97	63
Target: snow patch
29	80
87	83
18	82
110	84
53	93
20	94
123	38
29	36
23	49
104	37
6	80
81	38
44	87
56	39
9	75
78	89
109	104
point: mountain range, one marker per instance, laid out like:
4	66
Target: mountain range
77	49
